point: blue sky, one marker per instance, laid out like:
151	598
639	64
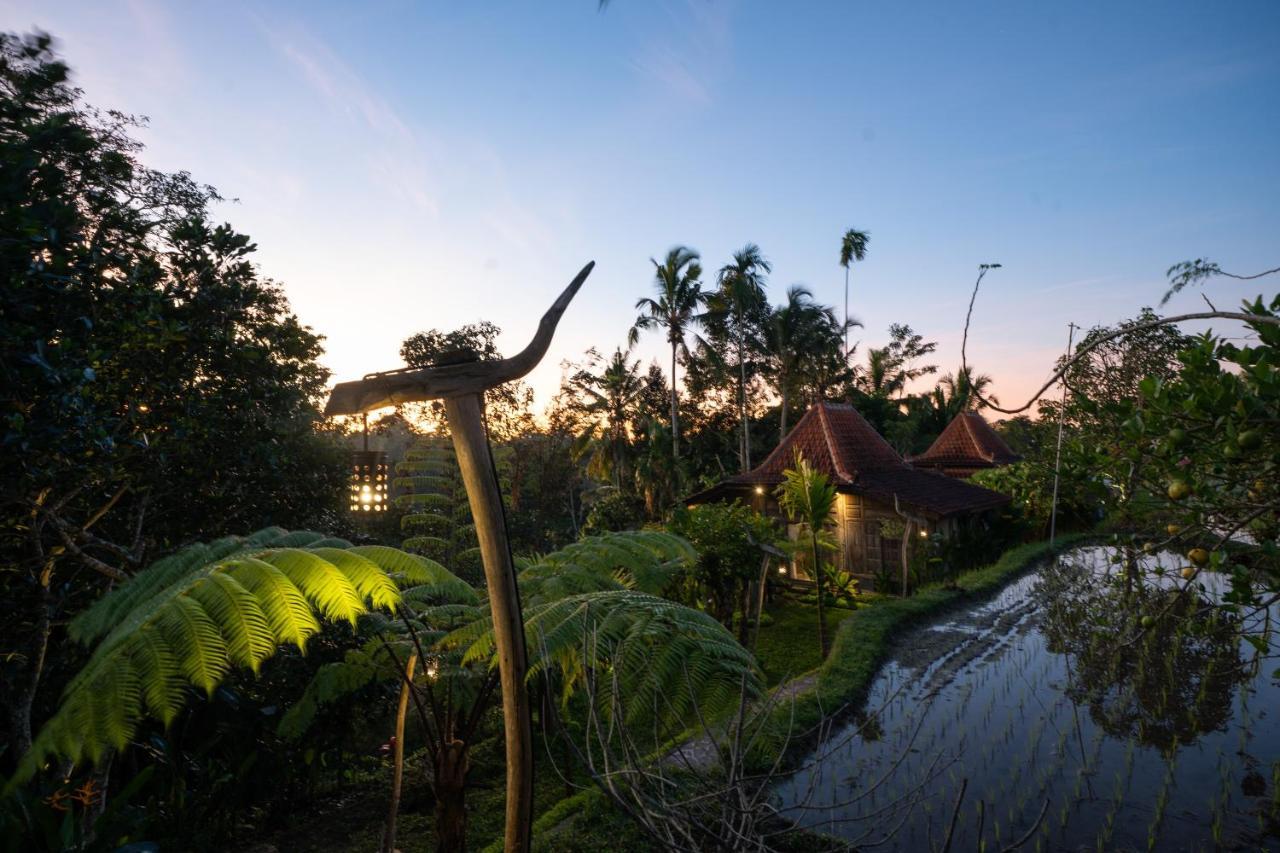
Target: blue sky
407	165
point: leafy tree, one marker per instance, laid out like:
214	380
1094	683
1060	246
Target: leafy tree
809	499
853	247
677	280
158	386
1199	452
727	538
614	511
507	407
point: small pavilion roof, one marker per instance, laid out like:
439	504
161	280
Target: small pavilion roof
967	444
838	441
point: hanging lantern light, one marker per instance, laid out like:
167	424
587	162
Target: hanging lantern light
368	477
368	481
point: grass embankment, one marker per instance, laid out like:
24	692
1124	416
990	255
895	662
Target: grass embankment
862	642
860	646
788	642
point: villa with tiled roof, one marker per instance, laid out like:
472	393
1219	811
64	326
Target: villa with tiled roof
881	497
966	446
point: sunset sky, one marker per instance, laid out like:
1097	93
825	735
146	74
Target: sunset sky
408	165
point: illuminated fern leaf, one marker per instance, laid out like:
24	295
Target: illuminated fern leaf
192	616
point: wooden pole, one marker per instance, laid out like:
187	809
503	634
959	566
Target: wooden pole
1057	453
397	773
466	424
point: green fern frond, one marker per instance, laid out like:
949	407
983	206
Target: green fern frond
428	544
286	608
414	569
192	616
370	577
325	586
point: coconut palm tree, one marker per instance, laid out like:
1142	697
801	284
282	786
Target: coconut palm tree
606	392
680	296
799	335
963	392
809	499
853	247
741	299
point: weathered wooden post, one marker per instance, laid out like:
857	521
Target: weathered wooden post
462	387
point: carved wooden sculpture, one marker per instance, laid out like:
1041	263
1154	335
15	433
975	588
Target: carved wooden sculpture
462	387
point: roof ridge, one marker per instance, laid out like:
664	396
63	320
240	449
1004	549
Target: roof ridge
836	462
977	443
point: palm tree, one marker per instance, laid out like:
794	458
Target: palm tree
809	499
881	377
799	335
606	392
680	295
852	248
963	392
741	298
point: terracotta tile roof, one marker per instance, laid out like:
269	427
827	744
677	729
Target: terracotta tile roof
967	444
838	441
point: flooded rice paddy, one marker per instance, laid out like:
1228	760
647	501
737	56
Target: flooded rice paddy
1061	727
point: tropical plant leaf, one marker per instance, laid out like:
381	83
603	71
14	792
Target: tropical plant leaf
192	616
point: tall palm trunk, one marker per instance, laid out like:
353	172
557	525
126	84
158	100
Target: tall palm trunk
744	441
782	430
675	409
846	312
817	577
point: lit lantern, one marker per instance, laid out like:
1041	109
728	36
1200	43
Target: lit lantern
368	481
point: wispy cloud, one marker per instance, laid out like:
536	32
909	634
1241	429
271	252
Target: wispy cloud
690	53
397	162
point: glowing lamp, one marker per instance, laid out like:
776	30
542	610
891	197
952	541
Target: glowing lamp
759	490
368	490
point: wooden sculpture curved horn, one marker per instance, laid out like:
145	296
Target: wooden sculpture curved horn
462	387
379	390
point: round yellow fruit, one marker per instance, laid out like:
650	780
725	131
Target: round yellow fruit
1199	556
1173	529
1250	439
1178	490
1189	572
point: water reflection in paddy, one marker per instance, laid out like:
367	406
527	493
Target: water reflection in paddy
1168	743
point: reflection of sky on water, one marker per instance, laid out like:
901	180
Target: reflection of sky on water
980	696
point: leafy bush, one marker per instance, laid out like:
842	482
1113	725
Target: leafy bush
727	538
615	512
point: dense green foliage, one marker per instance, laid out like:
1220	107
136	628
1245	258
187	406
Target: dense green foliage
195	614
727	539
158	389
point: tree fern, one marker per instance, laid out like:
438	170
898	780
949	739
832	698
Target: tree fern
438	517
192	616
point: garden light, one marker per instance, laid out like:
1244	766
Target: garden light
368	490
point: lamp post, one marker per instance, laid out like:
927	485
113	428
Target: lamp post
461	383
